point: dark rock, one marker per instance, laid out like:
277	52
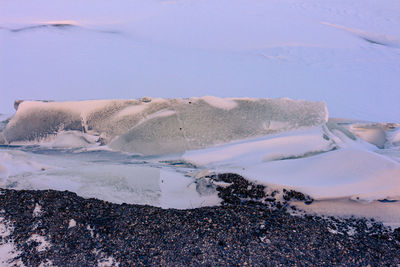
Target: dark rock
252	233
292	194
387	200
239	190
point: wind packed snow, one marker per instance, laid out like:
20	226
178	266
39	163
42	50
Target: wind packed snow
343	52
270	148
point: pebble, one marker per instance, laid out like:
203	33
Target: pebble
243	230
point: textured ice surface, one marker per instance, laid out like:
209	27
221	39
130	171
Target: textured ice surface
110	176
88	177
162	125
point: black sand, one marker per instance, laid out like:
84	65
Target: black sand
236	233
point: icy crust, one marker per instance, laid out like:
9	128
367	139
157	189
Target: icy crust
101	175
161	126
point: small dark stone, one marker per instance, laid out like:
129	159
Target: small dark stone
387	200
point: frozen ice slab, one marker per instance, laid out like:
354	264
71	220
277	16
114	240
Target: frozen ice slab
162	126
104	175
107	180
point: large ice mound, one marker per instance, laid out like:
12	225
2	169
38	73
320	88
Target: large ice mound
159	126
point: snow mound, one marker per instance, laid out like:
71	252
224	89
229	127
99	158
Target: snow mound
268	148
321	162
161	126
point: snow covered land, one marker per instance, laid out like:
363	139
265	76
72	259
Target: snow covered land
290	94
344	53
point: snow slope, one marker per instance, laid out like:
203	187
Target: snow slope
344	53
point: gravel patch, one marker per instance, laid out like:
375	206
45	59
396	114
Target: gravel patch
62	229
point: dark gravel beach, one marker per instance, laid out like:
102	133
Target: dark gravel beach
242	231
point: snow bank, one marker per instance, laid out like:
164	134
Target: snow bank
314	161
269	148
161	126
342	173
352	173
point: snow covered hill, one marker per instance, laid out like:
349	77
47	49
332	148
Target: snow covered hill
345	53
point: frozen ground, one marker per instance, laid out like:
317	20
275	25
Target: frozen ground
344	53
